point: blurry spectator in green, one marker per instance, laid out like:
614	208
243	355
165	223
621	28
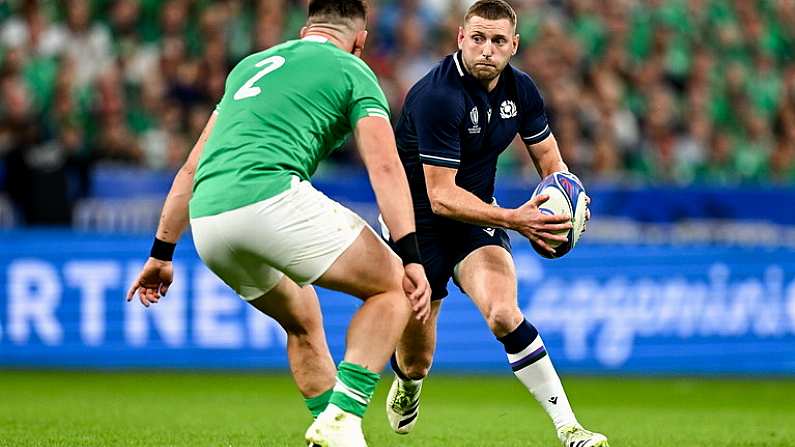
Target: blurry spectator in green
35	159
655	157
692	147
32	30
412	59
782	163
87	44
718	169
753	152
114	140
30	45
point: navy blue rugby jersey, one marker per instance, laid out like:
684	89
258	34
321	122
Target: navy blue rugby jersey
450	120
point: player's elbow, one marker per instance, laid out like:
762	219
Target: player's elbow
436	207
439	204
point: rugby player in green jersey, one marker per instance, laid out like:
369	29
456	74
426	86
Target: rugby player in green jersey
260	226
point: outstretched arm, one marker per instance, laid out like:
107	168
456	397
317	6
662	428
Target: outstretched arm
157	274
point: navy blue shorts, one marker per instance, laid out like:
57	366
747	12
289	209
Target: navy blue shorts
442	247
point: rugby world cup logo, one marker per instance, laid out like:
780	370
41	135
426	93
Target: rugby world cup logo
473	115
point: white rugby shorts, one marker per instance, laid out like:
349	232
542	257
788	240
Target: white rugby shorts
299	233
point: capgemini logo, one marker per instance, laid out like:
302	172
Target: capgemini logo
604	318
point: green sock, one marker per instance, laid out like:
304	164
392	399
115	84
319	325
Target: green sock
354	388
317	404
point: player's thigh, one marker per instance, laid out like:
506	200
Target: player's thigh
366	268
488	276
294	307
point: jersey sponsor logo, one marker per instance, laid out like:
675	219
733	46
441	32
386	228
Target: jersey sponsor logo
488	115
473	115
507	109
489	231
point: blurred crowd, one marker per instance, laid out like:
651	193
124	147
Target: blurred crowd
638	91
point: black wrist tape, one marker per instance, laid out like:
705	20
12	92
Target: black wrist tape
162	250
408	248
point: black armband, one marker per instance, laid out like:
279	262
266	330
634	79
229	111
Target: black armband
162	250
408	248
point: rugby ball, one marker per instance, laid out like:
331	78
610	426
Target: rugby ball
566	196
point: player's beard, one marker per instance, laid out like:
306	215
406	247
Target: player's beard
485	72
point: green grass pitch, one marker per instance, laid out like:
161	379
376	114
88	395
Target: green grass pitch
223	409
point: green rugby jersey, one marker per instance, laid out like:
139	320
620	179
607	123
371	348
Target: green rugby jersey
283	111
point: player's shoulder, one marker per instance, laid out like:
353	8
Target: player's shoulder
446	77
524	82
353	64
441	86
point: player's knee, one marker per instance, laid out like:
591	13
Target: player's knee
417	366
392	275
502	319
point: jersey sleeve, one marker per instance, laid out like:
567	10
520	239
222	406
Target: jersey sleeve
367	98
533	126
437	116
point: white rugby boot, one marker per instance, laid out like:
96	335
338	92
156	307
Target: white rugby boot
335	428
576	436
403	404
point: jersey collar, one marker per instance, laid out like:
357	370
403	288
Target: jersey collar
459	64
315	38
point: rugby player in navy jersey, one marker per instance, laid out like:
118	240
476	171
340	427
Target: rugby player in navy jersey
455	123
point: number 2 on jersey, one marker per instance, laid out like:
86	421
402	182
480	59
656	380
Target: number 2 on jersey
248	90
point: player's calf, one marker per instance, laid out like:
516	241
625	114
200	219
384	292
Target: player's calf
530	363
297	311
416	348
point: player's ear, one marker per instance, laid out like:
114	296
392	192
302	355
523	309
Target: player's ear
302	33
358	43
515	44
460	37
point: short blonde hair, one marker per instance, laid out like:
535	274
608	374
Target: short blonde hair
492	10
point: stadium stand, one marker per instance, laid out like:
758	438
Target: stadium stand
674	92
